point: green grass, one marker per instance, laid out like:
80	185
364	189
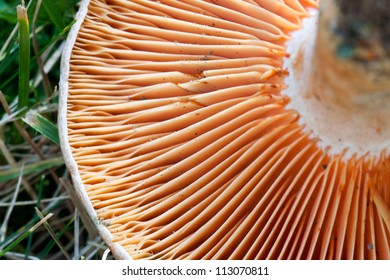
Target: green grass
38	219
24	57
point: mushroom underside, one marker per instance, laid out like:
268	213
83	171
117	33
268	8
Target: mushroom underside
182	140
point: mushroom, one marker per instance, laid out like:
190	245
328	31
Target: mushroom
202	130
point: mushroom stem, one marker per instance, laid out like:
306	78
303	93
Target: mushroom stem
339	82
352	54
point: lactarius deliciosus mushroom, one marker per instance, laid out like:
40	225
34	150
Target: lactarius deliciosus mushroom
253	129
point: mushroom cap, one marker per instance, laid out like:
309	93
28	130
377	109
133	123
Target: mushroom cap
175	130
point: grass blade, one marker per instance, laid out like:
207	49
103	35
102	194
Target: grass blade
35	167
37	204
12	162
42	125
24	57
51	244
54	14
53	235
76	234
3	228
13	236
25	234
52	41
6	12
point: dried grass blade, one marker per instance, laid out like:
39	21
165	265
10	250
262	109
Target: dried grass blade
53	235
25	234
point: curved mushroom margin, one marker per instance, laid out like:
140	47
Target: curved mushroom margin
117	250
321	168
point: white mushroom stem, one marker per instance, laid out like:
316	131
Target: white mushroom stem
339	83
352	73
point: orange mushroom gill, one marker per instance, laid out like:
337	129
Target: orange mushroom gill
179	134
